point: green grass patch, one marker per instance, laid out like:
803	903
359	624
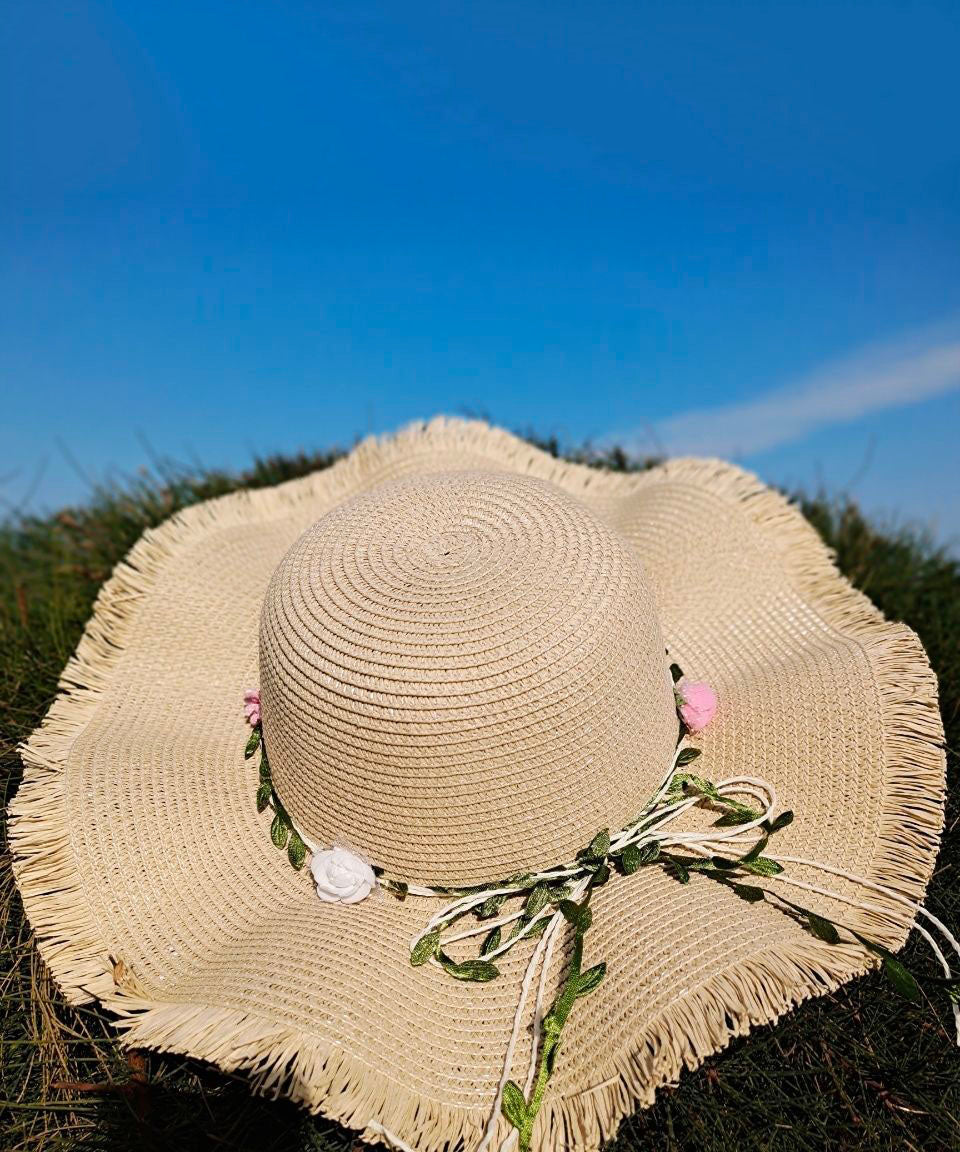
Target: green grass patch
859	1069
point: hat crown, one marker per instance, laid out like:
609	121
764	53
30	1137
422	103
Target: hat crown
463	676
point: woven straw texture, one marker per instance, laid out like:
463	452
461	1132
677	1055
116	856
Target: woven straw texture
136	838
460	674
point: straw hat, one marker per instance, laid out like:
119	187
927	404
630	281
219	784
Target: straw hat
462	648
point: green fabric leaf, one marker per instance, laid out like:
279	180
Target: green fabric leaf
296	851
738	815
687	756
490	941
901	978
263	795
252	744
689	783
579	915
822	928
490	907
279	831
513	1105
600	876
476	970
763	866
649	852
630	859
537	900
537	929
781	821
591	979
264	769
678	871
754	853
529	929
598	847
745	861
425	948
282	812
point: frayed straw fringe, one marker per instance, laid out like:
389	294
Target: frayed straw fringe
281	1061
284	1061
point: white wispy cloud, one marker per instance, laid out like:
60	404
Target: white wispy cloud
890	375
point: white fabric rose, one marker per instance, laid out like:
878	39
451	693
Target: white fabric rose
341	876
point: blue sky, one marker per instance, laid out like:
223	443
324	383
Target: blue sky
229	228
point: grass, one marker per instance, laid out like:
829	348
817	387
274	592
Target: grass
859	1069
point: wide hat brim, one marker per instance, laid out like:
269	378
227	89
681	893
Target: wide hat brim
152	885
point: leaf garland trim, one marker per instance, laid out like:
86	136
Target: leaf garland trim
562	895
282	832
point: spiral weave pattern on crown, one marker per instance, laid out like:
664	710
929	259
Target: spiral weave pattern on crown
463	676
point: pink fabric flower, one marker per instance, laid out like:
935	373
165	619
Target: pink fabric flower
251	707
697	703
